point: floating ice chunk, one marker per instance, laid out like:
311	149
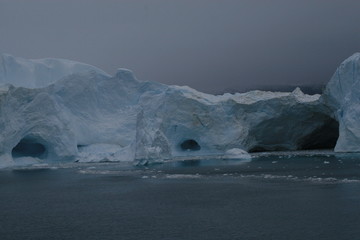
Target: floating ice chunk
237	153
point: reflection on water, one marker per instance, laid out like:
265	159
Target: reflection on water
189	163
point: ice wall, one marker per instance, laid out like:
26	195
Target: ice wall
87	115
342	94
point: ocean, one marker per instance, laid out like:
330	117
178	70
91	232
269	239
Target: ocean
271	197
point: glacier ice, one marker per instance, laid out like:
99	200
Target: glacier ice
342	94
74	111
37	73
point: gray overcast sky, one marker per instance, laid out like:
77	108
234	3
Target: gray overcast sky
207	44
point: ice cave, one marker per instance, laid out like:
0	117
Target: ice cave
29	147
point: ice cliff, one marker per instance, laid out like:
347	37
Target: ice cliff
342	94
56	110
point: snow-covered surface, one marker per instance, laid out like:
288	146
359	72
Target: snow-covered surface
75	112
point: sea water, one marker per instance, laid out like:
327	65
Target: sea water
269	197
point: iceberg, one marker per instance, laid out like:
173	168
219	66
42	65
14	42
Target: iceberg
342	95
60	110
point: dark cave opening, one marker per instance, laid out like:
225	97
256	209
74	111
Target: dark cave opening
190	145
323	137
29	147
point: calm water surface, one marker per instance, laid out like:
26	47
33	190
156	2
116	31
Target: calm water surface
273	197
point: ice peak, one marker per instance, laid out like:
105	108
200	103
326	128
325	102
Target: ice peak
354	57
297	91
125	74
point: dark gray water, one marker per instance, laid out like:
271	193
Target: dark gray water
268	198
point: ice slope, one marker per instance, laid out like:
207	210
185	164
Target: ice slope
91	116
342	94
40	72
